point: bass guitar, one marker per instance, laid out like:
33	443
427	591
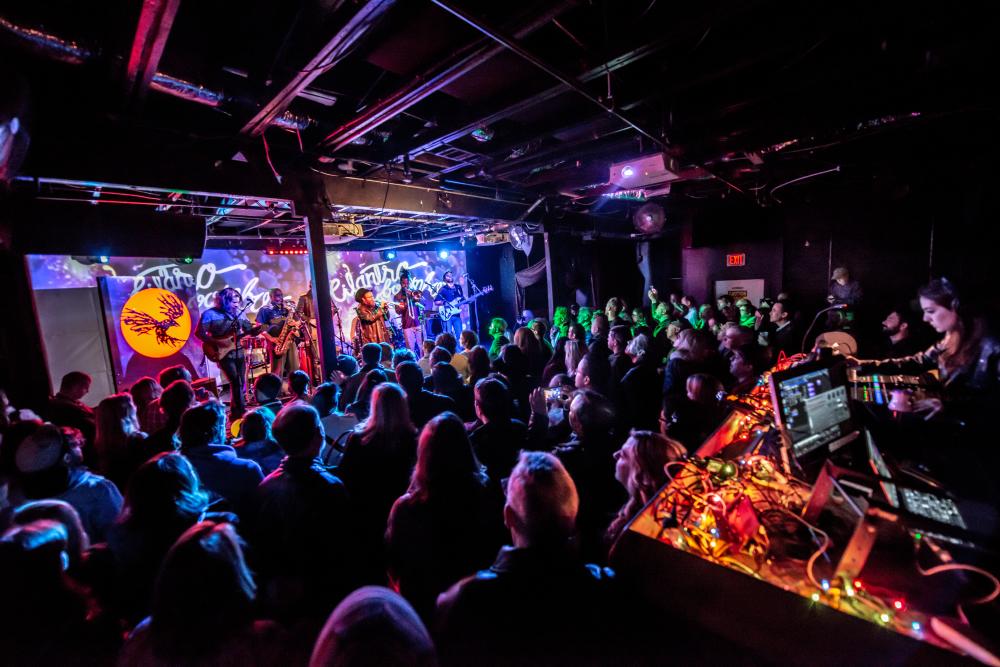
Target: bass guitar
450	309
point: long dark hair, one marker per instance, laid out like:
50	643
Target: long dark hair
164	492
479	364
971	328
204	594
388	416
446	465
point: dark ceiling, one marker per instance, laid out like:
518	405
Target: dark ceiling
499	103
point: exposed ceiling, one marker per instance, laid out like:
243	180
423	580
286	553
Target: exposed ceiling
498	104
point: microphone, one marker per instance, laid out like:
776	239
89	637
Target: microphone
836	306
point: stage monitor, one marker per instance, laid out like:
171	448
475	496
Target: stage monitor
812	409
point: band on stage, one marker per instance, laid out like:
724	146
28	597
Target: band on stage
284	336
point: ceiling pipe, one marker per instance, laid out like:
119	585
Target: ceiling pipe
70	52
360	25
151	34
430	81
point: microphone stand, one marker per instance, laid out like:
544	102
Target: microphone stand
475	302
836	306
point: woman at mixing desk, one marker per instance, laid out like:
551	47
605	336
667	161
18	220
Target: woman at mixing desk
967	360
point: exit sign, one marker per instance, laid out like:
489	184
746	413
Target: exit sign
736	259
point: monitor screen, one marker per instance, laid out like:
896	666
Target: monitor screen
811	404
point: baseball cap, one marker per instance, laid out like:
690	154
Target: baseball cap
41	450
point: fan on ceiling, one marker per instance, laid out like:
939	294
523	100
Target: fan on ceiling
649	218
520	239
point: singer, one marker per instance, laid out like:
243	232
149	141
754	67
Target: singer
369	324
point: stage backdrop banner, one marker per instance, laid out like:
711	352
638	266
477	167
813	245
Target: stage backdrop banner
252	272
353	270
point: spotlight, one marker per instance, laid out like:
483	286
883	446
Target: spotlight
389	254
104	259
185	260
443	254
288	250
628	171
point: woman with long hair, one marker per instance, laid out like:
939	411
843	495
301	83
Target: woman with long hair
639	467
573	352
528	342
378	460
557	362
118	438
479	364
372	379
447	525
202	608
164	499
144	391
967	359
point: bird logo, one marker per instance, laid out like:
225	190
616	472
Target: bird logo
155	322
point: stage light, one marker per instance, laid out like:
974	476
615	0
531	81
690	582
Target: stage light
628	171
389	254
443	254
104	259
185	260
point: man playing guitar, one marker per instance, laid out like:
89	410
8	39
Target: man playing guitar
450	293
408	308
273	317
220	329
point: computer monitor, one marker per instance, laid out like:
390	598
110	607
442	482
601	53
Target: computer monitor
811	407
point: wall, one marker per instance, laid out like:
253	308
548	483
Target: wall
703	266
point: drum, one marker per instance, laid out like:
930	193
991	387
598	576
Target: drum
256	351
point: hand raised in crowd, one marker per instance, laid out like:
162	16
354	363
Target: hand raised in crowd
337	377
653	294
536	400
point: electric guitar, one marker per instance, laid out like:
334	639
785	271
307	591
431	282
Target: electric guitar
218	347
450	309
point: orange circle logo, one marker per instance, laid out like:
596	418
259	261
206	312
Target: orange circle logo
155	323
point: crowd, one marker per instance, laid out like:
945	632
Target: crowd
455	508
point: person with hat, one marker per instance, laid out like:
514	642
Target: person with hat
843	289
49	464
408	307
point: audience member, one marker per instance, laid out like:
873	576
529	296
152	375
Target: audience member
298	385
371	358
639	397
50	465
498	335
118	440
67	409
202	608
373	378
164	500
448	523
144	391
377	464
538	603
447	382
692	354
620	361
425	361
202	436
748	362
44	616
175	400
77	540
588	456
698	413
459	361
640	467
424	405
782	334
401	355
257	441
267	389
300	524
479	364
374	626
532	350
594	373
152	418
386	360
497	436
324	399
573	353
557	361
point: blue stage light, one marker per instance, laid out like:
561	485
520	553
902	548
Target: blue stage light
443	254
390	254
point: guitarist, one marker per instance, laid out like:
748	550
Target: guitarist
408	308
273	316
217	325
450	293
